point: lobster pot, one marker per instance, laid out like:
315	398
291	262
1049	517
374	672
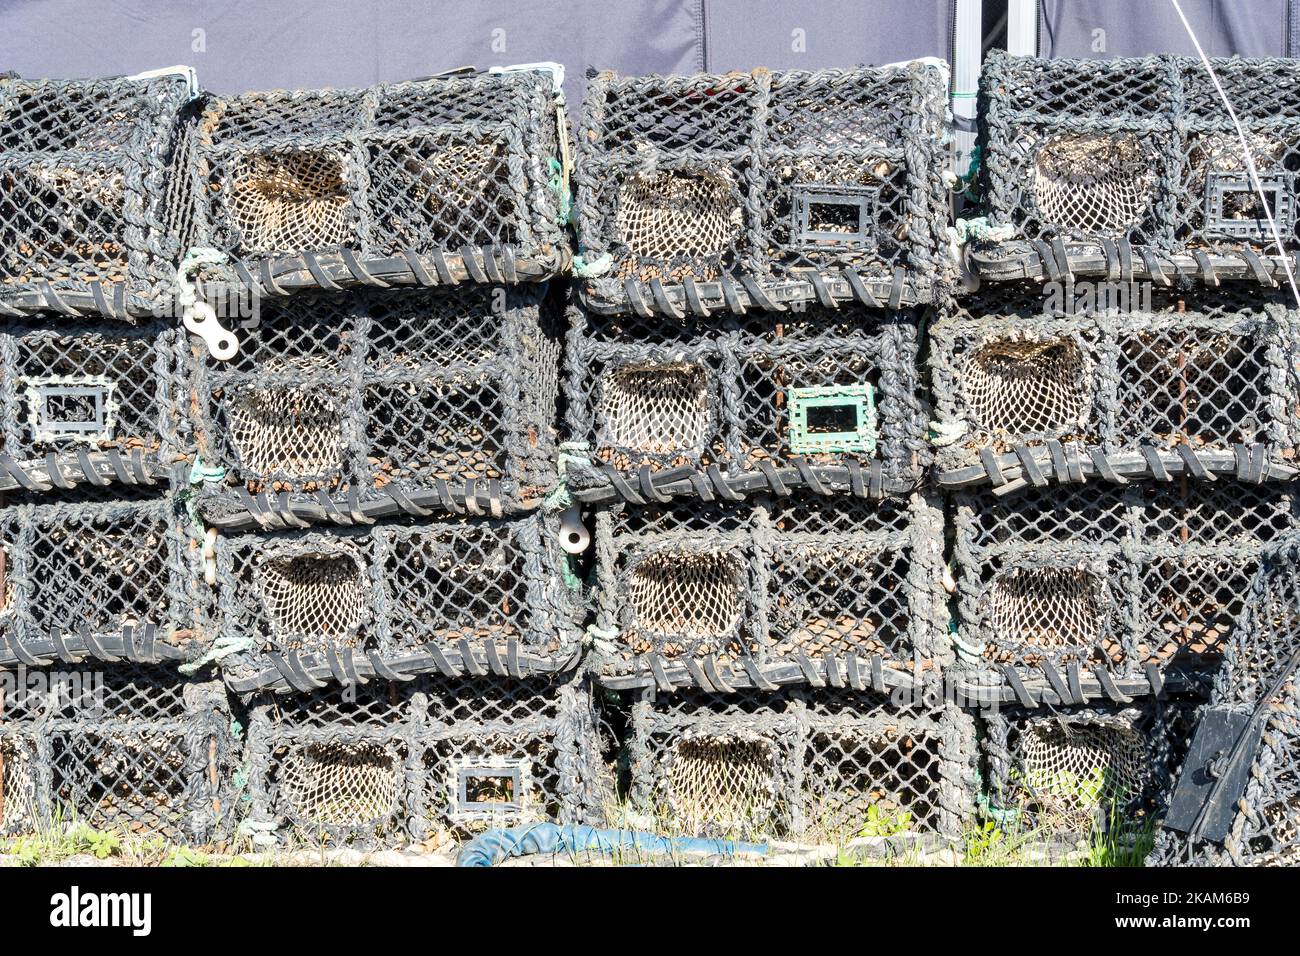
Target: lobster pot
770	591
446	179
92	209
828	388
460	595
702	192
1114	582
96	576
1137	383
1076	768
89	402
121	748
394	763
435	396
1265	824
820	763
1136	165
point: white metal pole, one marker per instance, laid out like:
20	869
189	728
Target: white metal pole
1022	27
967	54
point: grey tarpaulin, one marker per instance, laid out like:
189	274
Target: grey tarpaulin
266	44
1225	28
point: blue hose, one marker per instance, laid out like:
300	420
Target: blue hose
496	846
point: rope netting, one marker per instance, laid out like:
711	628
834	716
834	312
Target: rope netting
657	408
1221	153
886	780
318	597
99	184
1023	386
721	781
1076	768
1093	183
291	200
16	812
1046	607
688	594
287	431
340	784
455	176
671	215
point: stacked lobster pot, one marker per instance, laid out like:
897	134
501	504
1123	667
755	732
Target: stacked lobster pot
97	555
1237	801
373	431
1116	412
758	253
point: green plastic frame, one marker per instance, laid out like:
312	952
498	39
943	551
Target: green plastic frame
804	441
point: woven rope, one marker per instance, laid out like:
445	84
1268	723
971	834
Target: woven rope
287	431
318	596
723	782
340	784
688	594
1026	386
667	215
658	408
19	786
1076	768
293	200
1048	607
456	177
1093	183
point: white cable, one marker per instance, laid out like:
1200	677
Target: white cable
1245	148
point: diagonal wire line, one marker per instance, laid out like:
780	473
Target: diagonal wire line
1245	147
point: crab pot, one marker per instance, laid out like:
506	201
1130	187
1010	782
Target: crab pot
396	762
437	395
1150	575
437	181
456	595
828	388
1113	381
94	575
801	761
711	192
89	402
91	202
1264	827
121	748
1137	161
770	591
1077	768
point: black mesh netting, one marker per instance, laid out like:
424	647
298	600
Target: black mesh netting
1116	579
89	208
819	763
467	595
1032	386
1083	768
96	576
820	388
434	181
1265	828
704	192
770	591
391	763
118	748
381	397
87	402
1135	165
